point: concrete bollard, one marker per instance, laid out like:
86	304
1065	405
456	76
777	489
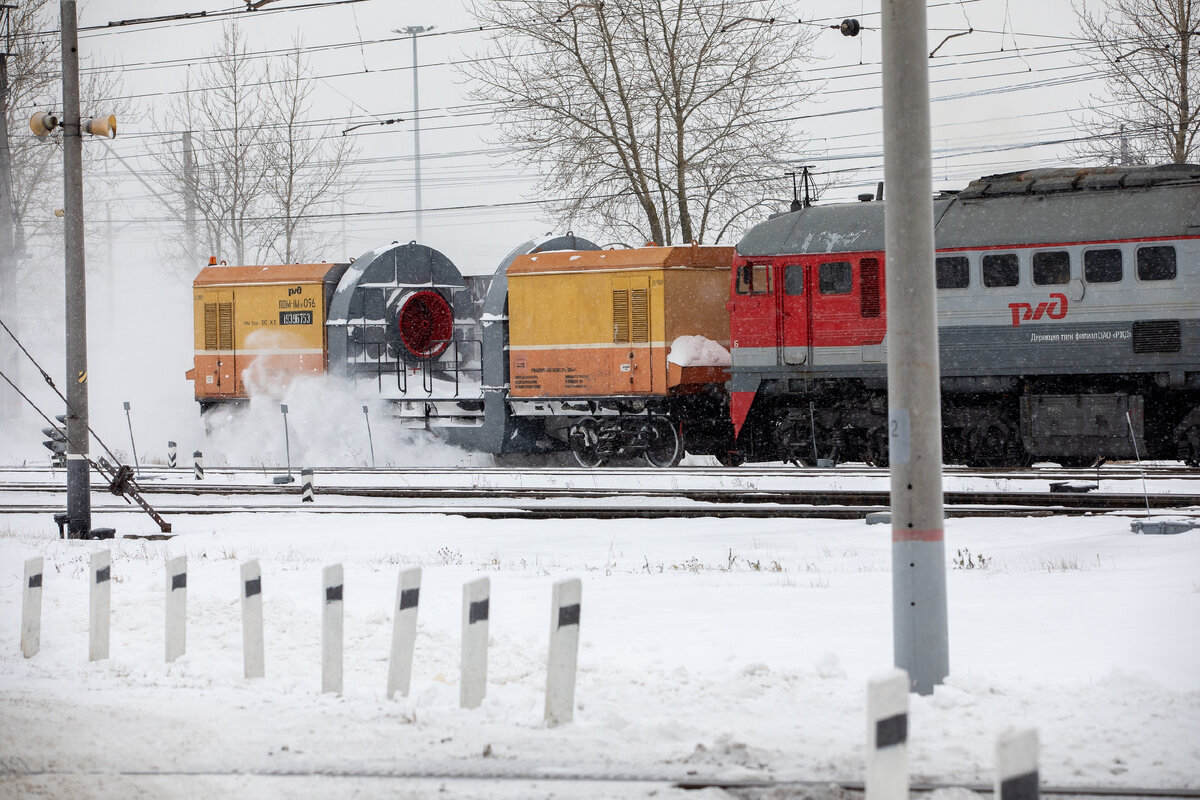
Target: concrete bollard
100	604
198	465
404	632
887	737
31	608
564	651
306	482
473	686
1016	765
332	630
176	607
171	457
253	657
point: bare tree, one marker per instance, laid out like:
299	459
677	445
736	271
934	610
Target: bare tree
660	119
307	164
1145	50
223	108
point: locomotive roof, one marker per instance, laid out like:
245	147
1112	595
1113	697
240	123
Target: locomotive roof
692	256
1019	208
221	275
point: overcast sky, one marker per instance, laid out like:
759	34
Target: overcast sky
1000	94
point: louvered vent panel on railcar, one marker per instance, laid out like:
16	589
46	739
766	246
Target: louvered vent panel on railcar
640	304
620	315
871	301
1157	336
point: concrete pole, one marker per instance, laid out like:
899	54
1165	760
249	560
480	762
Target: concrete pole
9	363
914	394
79	501
189	198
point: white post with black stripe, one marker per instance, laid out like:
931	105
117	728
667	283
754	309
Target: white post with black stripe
198	465
473	688
332	626
1017	765
171	455
564	651
253	657
176	588
887	737
306	484
100	604
31	608
404	632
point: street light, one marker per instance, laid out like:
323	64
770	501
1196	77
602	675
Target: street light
413	30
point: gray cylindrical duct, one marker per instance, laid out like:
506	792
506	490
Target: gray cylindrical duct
499	434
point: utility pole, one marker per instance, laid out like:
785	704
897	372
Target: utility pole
189	197
413	30
8	250
79	500
920	636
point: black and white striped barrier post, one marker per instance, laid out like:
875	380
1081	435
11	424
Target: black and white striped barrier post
404	632
1017	765
564	651
198	465
473	686
176	607
253	658
171	457
306	484
331	630
100	604
887	737
31	609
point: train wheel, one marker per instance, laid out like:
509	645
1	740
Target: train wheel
877	448
998	446
585	441
667	448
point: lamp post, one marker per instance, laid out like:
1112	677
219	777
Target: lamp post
413	30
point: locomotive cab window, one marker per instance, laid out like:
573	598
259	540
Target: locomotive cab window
1156	263
1000	270
793	280
754	279
1051	268
1102	266
835	277
953	272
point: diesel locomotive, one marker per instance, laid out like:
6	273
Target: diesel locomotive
1068	316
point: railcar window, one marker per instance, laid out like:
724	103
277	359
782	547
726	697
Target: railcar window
1000	270
1156	263
793	280
835	277
754	279
953	272
1051	267
1102	266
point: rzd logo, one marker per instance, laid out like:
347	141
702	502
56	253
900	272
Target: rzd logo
1054	308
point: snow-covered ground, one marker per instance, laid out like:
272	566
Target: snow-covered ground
715	647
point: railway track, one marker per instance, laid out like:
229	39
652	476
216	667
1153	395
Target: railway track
741	787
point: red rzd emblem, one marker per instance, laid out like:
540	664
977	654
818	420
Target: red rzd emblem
1054	308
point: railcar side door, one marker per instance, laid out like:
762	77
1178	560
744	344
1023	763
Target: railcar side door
794	302
218	340
631	335
754	321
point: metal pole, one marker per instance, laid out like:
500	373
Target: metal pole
370	440
79	501
287	444
136	466
920	635
9	363
416	132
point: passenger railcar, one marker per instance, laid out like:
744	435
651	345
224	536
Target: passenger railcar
1068	318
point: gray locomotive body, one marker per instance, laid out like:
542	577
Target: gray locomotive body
1068	320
